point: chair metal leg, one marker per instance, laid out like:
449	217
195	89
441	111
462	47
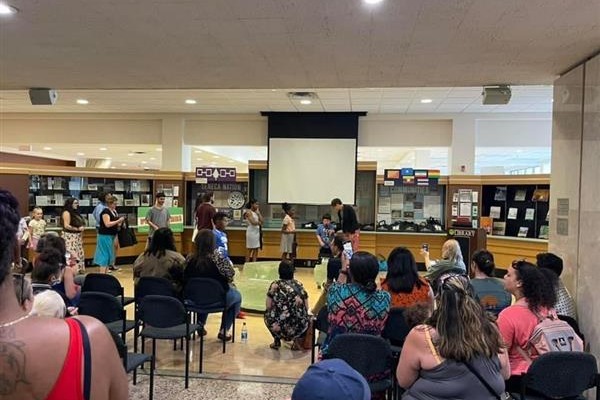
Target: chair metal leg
152	366
201	353
181	344
233	332
187	360
174	344
135	376
143	343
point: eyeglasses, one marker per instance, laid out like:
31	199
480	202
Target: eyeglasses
21	293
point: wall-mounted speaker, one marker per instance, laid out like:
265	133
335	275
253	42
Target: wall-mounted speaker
43	96
496	94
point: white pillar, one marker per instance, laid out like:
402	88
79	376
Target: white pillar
175	154
462	151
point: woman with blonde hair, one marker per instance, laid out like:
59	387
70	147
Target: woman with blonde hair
49	304
452	261
442	358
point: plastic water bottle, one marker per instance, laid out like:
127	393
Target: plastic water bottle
244	335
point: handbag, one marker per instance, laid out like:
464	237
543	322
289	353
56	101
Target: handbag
503	396
126	236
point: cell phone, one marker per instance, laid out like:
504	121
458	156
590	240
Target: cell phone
425	246
348	250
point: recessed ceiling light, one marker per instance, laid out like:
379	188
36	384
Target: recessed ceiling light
144	162
5	9
158	149
81	154
426	101
113	167
82	101
108	158
102	149
190	101
152	158
305	102
130	154
372	1
123	165
47	148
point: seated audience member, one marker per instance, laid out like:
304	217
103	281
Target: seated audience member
488	289
533	289
286	315
36	348
23	291
325	232
452	261
565	305
161	260
219	222
69	279
334	265
417	314
354	303
48	273
436	356
207	262
403	282
49	304
331	379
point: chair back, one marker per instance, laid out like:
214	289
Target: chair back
396	329
162	311
559	375
102	306
153	285
121	347
370	355
102	283
322	320
204	295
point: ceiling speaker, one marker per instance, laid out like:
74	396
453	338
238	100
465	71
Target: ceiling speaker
494	95
43	96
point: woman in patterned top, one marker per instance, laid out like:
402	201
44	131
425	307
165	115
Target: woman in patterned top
354	303
286	316
403	282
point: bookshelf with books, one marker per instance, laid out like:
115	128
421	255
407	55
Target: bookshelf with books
517	210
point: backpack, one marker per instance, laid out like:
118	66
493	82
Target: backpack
552	334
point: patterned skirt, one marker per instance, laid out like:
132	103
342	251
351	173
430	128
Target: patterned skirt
74	244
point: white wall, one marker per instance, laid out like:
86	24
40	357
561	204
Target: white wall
517	132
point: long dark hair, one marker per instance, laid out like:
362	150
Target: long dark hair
484	261
9	221
537	284
47	264
286	207
364	268
162	240
402	275
76	218
204	247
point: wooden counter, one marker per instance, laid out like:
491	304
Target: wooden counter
508	249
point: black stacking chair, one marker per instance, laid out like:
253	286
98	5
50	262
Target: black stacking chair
395	331
561	375
320	324
146	286
166	318
107	284
106	308
369	355
206	296
132	361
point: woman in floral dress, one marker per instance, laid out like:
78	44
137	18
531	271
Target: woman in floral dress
73	226
286	316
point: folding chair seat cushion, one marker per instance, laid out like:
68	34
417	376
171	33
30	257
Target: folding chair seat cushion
171	332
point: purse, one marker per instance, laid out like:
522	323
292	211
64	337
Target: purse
503	396
126	236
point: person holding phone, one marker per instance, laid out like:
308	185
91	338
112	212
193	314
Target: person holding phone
452	261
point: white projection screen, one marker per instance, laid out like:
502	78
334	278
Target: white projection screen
312	170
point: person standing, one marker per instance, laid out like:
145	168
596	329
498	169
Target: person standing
205	212
348	222
158	215
325	232
102	195
255	221
73	226
288	233
37	226
109	227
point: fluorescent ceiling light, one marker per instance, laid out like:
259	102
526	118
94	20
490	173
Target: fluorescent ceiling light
82	101
81	154
158	149
190	101
152	158
123	165
144	162
5	9
102	149
47	148
372	1
426	101
305	102
130	154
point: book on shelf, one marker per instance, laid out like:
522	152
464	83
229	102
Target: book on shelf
487	224
544	232
500	194
499	228
523	231
512	213
541	195
495	212
520	195
529	214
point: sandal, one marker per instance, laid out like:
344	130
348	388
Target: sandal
226	338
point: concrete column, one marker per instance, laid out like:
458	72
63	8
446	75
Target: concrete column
462	152
574	228
175	154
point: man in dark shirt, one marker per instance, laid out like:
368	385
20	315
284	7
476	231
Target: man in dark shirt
348	222
205	212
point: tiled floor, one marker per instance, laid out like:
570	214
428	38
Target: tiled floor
253	358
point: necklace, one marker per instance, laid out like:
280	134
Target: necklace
16	321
